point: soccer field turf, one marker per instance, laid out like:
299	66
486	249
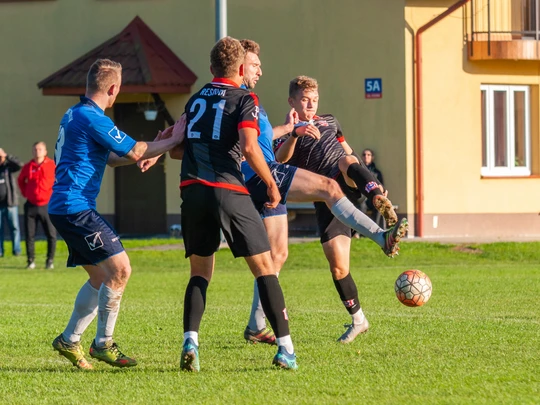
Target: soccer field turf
477	341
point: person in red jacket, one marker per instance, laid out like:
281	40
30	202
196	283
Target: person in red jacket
36	182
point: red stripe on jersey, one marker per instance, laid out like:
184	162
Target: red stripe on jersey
249	124
228	186
255	98
223	80
341	139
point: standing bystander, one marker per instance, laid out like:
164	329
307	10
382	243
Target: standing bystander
36	181
367	206
9	210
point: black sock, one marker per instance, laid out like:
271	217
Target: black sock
273	304
364	179
194	303
346	288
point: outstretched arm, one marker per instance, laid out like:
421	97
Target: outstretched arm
147	150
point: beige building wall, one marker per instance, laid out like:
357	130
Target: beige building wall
452	126
41	37
339	43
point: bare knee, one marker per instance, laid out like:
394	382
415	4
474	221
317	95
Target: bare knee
261	264
279	258
339	273
345	161
333	189
121	274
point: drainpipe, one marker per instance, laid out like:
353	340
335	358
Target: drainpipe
221	19
418	110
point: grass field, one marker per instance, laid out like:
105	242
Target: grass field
477	341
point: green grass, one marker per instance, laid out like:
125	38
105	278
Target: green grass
476	342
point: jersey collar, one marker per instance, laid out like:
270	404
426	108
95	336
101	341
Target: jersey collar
311	121
88	101
222	80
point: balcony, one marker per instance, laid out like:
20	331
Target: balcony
503	30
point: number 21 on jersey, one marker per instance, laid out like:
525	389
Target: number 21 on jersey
200	106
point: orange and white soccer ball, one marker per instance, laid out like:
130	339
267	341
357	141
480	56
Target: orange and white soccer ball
413	288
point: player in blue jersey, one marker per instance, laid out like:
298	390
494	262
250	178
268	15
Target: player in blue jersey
296	184
88	140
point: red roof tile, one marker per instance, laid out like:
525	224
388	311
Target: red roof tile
148	65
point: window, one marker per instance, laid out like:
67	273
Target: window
506	131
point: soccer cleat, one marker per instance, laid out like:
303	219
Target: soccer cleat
353	331
262	336
31	266
111	354
189	359
284	360
71	351
385	207
49	265
393	236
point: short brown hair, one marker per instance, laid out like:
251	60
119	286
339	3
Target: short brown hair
300	83
102	74
226	57
251	46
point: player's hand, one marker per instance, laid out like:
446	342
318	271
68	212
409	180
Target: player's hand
383	191
146	164
309	130
273	195
179	130
291	120
166	134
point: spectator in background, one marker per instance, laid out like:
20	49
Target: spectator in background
367	205
9	210
36	181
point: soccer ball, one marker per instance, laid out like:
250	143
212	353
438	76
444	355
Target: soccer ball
413	288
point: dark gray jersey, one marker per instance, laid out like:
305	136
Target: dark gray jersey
319	156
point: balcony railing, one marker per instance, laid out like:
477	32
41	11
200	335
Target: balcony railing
504	29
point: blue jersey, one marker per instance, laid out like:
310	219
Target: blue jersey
265	142
85	139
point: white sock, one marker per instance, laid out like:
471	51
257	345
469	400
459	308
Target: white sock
347	213
192	335
257	319
286	342
84	312
358	317
108	307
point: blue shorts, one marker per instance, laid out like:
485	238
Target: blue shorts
89	237
283	175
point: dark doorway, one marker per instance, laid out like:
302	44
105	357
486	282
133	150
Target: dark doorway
140	198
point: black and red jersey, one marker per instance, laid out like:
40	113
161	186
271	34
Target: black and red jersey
319	156
212	153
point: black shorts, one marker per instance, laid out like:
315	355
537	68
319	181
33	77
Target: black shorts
89	237
328	225
206	210
283	175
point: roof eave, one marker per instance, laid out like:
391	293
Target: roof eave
126	89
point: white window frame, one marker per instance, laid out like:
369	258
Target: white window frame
511	169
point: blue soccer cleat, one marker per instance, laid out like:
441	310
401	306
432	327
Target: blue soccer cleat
284	360
189	360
